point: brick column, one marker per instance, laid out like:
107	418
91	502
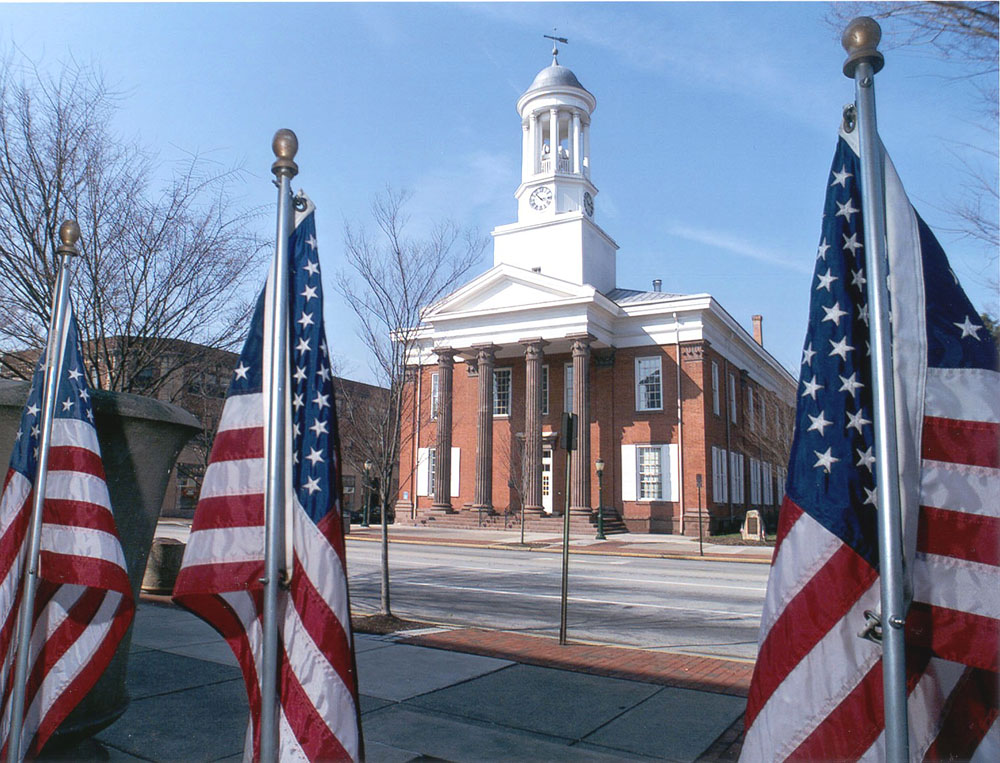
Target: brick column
442	459
533	356
485	358
579	494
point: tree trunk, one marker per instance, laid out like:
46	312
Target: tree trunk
385	609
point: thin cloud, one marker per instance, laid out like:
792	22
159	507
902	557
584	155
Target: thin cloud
741	248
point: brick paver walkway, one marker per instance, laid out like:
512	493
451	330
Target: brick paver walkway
669	669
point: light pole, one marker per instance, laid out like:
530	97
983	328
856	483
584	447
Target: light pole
366	493
599	466
701	548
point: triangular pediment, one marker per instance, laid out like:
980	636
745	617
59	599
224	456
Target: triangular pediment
504	288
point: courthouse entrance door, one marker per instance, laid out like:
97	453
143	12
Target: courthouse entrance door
547	480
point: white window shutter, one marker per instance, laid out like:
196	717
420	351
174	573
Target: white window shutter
669	469
628	473
422	480
455	463
725	475
715	475
742	463
720	475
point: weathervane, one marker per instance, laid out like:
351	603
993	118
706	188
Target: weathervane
555	50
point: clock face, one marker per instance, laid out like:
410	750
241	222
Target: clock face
588	203
540	198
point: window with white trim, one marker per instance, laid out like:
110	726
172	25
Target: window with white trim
568	388
435	394
750	417
763	415
426	463
648	384
768	484
545	390
720	475
501	392
732	398
649	472
715	388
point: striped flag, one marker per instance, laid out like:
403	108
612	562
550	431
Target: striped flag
83	603
224	559
816	692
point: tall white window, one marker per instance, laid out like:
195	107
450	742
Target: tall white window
568	388
720	475
732	398
501	392
751	418
715	388
545	390
435	393
648	385
649	474
426	462
763	415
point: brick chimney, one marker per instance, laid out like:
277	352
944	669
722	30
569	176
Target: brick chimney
758	329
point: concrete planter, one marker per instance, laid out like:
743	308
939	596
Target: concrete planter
140	439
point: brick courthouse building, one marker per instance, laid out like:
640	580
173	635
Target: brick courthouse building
668	387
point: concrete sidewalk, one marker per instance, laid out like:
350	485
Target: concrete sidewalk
625	544
457	695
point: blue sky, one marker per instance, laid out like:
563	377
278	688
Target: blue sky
713	134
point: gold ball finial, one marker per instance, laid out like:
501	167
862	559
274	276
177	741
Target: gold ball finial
860	40
285	145
69	234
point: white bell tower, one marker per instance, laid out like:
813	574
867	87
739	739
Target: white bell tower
555	229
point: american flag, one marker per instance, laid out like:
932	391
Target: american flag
816	692
224	559
83	603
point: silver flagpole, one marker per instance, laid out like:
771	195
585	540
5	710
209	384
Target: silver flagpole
285	145
861	40
69	234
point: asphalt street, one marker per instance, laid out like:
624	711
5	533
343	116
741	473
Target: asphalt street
706	608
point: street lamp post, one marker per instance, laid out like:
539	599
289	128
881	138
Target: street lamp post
599	466
367	492
701	548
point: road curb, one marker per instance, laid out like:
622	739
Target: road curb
572	550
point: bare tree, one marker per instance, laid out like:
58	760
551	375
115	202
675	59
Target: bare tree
157	265
964	34
391	277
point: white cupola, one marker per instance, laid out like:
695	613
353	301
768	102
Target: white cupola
555	230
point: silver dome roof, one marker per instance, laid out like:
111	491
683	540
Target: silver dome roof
555	76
